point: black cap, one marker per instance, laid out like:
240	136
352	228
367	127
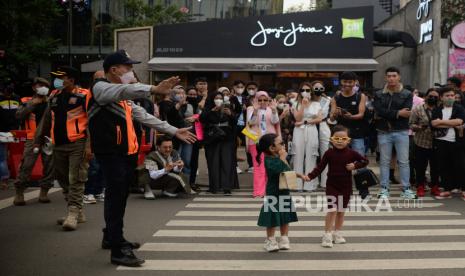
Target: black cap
118	57
66	71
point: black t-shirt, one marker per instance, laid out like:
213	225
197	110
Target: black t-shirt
351	104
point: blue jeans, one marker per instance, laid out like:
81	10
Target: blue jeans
400	140
358	145
4	172
185	151
95	181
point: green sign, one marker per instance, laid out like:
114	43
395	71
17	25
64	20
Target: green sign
352	28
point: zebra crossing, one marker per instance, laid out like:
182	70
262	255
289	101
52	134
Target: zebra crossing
218	233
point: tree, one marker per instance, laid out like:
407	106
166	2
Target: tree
140	14
453	12
25	28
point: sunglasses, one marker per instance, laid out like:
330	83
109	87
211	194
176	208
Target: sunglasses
261	101
340	139
305	90
322	89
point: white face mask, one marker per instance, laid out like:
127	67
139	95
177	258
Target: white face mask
128	77
42	91
218	102
251	92
305	94
226	99
281	106
239	91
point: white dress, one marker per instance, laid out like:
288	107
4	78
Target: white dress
306	145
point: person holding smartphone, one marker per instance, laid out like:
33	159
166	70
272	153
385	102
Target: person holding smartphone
220	147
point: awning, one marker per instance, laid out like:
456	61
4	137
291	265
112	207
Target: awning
261	64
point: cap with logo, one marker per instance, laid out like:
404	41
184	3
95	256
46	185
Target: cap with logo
116	58
66	71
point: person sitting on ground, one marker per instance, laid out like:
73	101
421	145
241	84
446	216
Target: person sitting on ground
163	170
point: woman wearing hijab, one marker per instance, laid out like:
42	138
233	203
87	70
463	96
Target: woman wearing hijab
262	118
219	122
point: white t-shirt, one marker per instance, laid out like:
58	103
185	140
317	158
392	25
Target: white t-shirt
450	136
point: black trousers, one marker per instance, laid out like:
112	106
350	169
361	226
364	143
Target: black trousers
448	155
222	174
194	163
118	171
423	157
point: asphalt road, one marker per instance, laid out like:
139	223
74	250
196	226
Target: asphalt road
217	235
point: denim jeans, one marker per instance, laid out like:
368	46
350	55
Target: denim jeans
4	172
185	152
95	181
400	140
358	145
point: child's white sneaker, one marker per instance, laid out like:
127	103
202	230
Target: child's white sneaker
271	245
338	238
327	240
283	243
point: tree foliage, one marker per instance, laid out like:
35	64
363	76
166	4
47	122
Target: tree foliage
140	14
452	13
25	28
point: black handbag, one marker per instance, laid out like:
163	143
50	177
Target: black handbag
214	134
365	178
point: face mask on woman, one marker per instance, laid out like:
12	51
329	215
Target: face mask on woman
42	91
432	100
305	94
251	92
226	99
280	106
218	102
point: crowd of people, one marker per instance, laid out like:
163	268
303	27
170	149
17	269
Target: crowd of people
103	126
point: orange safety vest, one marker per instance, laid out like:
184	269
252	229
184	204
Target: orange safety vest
30	124
76	115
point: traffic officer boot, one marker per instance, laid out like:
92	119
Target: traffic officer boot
19	198
43	198
81	218
71	220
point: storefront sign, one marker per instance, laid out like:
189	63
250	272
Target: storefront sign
423	8
426	28
335	33
456	62
426	31
458	35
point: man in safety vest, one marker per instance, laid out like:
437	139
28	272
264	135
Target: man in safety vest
114	142
66	120
30	113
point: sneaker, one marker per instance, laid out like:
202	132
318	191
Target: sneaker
271	245
456	191
227	193
100	197
384	193
463	196
435	190
338	238
421	191
327	240
169	194
89	199
193	192
238	170
149	195
444	195
250	170
284	243
408	194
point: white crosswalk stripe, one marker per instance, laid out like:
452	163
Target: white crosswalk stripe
216	225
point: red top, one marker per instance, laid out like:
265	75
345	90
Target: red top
337	160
